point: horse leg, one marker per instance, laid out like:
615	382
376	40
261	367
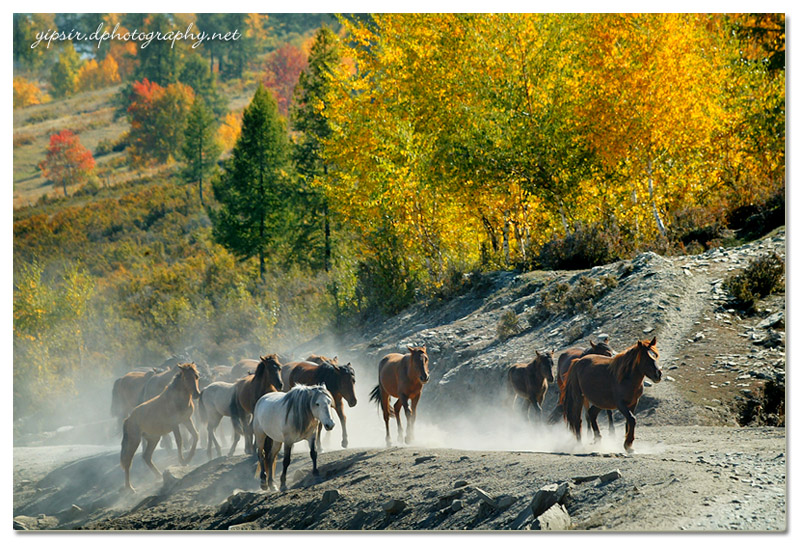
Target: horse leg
400	403
189	425
211	427
176	431
130	442
313	448
248	437
610	415
340	411
287	458
630	425
537	411
264	461
411	416
236	436
272	457
591	414
152	443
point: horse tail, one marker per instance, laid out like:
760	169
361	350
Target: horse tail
201	408
571	399
237	414
116	399
376	394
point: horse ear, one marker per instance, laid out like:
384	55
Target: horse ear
537	353
336	359
653	342
410	348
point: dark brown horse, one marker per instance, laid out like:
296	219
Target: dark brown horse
529	381
565	360
401	376
599	382
340	381
127	393
158	417
267	378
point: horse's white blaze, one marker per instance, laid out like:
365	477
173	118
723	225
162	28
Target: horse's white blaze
322	412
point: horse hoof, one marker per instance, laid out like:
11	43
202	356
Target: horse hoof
344	444
629	449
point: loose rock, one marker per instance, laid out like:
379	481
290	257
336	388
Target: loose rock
555	518
547	496
392	507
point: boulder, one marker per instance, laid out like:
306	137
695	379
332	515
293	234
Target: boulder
547	496
555	518
392	507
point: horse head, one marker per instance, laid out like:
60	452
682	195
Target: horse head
321	405
269	371
648	359
347	383
602	348
545	364
189	377
419	359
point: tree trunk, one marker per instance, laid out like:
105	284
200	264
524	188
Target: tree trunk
506	250
200	189
656	215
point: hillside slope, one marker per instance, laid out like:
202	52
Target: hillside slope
693	467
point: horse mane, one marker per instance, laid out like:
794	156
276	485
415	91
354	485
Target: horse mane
625	362
327	374
298	405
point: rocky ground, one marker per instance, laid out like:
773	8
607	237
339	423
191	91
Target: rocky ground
475	465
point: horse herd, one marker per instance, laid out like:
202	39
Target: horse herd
272	404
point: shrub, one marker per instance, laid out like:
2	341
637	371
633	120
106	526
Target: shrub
563	299
762	276
23	140
584	248
755	220
509	325
766	407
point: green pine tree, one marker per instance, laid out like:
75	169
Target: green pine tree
253	212
200	147
313	128
196	74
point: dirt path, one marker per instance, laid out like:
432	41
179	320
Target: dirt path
690	478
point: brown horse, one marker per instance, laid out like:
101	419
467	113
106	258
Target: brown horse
599	382
401	376
159	416
267	378
565	360
529	381
127	393
340	381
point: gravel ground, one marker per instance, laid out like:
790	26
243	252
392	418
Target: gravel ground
477	464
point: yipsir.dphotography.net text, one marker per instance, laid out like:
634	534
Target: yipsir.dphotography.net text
145	38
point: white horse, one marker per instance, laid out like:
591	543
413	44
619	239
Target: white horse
215	402
289	417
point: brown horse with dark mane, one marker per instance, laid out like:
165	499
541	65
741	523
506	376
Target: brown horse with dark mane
529	381
340	381
159	416
267	378
401	376
565	360
598	382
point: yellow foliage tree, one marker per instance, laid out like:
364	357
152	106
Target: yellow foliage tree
27	93
229	130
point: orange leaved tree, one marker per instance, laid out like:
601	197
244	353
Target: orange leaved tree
68	162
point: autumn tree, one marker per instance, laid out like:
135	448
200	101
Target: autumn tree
93	75
157	117
312	127
283	69
200	147
27	93
67	161
252	214
64	75
229	130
